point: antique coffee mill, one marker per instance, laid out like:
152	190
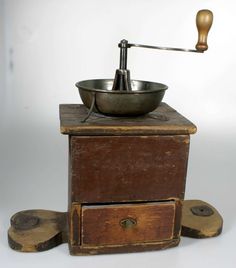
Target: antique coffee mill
128	155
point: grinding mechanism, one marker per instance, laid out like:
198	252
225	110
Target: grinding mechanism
122	96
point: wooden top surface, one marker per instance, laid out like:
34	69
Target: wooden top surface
163	121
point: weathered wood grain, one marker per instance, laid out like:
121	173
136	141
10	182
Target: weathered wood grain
101	230
75	225
127	168
37	230
114	162
126	188
127	223
140	247
200	226
163	121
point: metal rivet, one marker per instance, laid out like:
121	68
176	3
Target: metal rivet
202	210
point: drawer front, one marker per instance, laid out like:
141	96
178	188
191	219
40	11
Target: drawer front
121	169
127	223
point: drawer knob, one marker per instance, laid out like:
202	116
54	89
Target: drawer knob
128	223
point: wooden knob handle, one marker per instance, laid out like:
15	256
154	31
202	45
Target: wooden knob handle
204	21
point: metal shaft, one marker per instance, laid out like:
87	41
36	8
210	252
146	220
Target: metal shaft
166	48
123	54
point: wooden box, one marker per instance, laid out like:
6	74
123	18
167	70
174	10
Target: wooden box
126	179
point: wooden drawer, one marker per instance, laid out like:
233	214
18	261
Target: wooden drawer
125	224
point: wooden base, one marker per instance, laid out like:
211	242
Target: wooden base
81	251
37	230
200	220
40	230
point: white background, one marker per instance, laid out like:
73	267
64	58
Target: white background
48	45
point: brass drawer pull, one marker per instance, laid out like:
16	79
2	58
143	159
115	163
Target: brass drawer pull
128	223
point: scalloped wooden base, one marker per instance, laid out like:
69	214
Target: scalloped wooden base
37	230
200	220
40	230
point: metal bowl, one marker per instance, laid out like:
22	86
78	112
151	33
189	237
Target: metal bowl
144	97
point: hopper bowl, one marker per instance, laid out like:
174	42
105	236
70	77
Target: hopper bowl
98	96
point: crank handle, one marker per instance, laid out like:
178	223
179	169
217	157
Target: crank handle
204	21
